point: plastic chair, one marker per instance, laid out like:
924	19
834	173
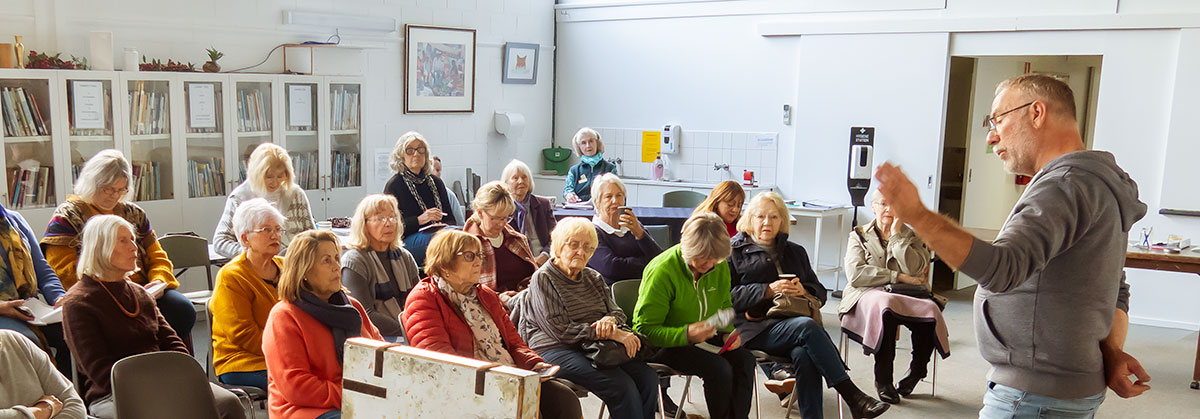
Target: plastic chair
248	394
625	294
682	199
661	235
843	349
763	358
188	250
159	384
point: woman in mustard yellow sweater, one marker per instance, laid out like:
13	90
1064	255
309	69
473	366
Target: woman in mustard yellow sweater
245	294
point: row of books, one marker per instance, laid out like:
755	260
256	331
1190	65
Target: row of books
254	111
22	116
345	109
306	167
147	181
346	169
206	177
30	187
148	110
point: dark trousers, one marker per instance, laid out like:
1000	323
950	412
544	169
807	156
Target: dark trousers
923	338
629	390
559	402
180	314
813	356
728	377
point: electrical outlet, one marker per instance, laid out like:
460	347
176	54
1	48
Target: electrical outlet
930	186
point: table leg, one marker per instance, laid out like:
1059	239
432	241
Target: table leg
1196	368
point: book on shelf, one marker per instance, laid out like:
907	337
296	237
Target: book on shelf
148	110
32	186
346	169
22	116
345	109
307	171
254	113
206	177
147	181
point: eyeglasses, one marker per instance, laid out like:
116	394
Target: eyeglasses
416	151
269	230
470	256
385	220
108	190
576	245
506	219
991	121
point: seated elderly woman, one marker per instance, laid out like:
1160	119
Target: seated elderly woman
307	330
269	175
767	271
376	270
591	164
507	261
245	294
421	196
725	200
681	288
624	247
568	305
880	253
103	187
451	312
25	274
535	215
32	388
107	317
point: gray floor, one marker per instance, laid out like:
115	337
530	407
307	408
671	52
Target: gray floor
1167	354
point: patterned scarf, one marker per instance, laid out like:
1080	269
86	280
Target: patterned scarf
16	274
412	180
489	345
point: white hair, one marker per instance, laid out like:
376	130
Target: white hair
603	180
578	138
99	238
513	168
251	214
104	169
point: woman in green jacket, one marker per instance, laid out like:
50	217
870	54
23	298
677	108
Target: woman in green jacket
684	300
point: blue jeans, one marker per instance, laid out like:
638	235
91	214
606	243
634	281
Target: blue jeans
332	414
245	378
1003	402
179	312
629	390
813	356
417	243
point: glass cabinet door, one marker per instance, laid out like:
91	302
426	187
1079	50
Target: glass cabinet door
28	149
150	139
205	139
253	100
301	136
345	137
90	118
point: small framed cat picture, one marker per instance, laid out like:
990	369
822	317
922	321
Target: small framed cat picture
520	63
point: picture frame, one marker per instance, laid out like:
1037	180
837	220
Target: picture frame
439	69
519	68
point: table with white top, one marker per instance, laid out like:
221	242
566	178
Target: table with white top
820	215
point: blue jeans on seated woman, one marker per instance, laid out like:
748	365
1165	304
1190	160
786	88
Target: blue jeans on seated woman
418	242
332	414
813	356
629	390
179	312
245	378
1006	402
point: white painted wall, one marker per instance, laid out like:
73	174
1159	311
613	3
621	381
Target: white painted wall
704	64
246	29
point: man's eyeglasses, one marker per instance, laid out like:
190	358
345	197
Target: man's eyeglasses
470	256
991	121
269	230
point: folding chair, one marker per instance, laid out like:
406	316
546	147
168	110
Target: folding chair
625	294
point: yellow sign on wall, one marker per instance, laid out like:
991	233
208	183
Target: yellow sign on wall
651	140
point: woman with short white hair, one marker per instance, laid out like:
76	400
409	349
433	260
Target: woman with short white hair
107	318
103	188
269	175
591	164
421	196
625	248
535	215
245	294
376	269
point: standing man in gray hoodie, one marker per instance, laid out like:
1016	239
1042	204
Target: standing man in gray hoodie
1050	310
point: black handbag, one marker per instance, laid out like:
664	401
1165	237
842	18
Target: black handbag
916	291
608	353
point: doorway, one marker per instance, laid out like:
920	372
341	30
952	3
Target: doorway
976	191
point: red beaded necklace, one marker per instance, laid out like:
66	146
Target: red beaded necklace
137	308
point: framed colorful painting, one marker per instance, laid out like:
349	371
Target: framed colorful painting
520	63
439	69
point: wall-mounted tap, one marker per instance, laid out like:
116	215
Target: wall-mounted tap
721	166
616	161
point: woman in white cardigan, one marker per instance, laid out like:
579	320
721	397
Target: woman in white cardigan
269	175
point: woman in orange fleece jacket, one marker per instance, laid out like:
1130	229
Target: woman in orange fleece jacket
308	328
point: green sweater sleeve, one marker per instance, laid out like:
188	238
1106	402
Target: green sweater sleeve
654	303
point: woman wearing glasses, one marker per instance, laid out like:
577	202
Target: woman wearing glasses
451	312
269	175
421	196
376	269
507	260
104	187
245	294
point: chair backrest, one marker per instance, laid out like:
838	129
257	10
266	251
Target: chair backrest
625	294
187	251
682	199
661	235
161	384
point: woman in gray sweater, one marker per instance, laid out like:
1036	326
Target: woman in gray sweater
567	305
31	386
376	269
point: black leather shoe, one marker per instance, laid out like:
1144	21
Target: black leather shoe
865	406
887	392
908	383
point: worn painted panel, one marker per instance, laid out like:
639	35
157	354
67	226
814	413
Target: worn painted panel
421	383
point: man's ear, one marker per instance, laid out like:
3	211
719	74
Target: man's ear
1039	112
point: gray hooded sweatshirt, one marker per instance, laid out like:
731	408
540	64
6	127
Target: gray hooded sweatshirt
1049	282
